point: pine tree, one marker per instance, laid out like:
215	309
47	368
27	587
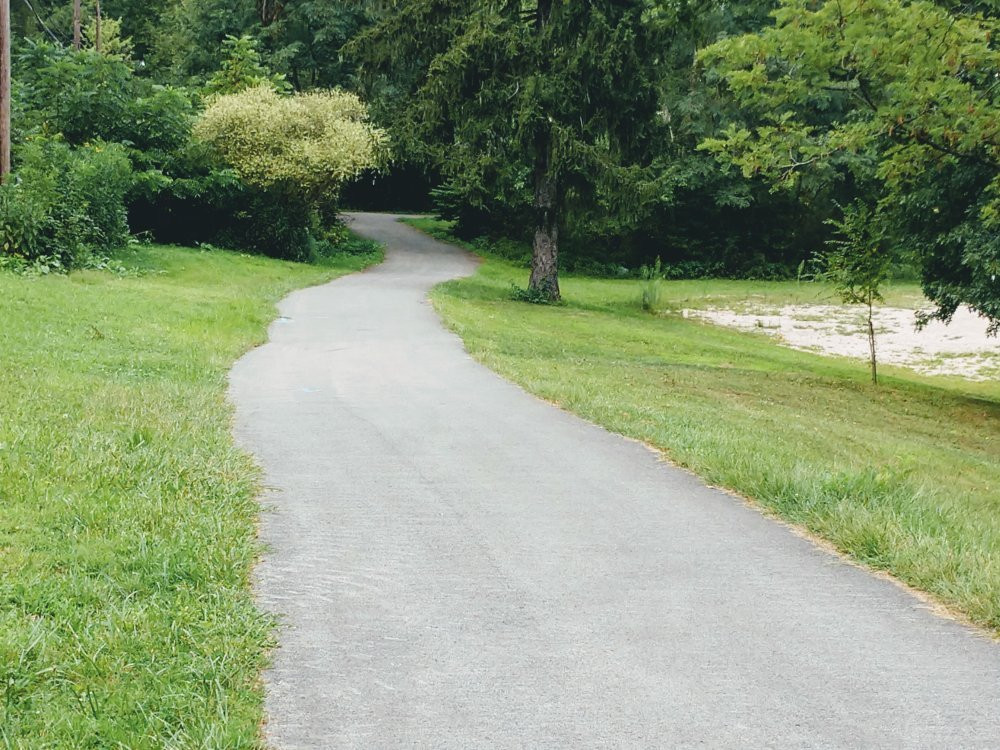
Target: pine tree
551	96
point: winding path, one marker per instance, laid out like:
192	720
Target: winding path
459	565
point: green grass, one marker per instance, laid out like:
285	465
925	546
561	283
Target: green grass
127	514
904	477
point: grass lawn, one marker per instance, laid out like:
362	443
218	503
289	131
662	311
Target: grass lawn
904	477
127	515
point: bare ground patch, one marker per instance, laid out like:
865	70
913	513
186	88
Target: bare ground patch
959	348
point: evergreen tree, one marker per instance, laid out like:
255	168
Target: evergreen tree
555	97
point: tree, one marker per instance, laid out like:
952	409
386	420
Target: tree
5	90
857	263
77	24
902	95
552	98
303	40
189	44
242	69
98	20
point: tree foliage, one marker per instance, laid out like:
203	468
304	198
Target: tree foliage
901	95
720	137
300	39
857	262
242	69
522	104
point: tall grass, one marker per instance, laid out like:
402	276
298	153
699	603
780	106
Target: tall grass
127	515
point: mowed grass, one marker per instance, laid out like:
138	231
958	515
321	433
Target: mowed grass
127	514
904	477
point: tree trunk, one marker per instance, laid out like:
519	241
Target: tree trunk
4	89
871	344
97	26
77	25
545	253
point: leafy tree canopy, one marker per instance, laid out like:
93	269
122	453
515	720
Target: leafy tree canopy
900	93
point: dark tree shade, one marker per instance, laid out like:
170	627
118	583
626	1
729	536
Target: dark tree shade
554	97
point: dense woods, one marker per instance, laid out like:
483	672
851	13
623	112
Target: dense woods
735	140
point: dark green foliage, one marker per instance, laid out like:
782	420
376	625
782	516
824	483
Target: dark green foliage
303	40
64	207
199	202
300	40
85	96
606	99
700	219
189	46
140	19
271	222
938	220
538	110
403	187
241	68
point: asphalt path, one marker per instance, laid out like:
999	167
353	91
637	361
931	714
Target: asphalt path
457	564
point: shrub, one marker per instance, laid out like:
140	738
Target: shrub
310	143
65	207
291	154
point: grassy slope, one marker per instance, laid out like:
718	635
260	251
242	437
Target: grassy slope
905	478
127	515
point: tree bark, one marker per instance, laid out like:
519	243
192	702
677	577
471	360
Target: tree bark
77	25
97	27
545	253
4	90
871	344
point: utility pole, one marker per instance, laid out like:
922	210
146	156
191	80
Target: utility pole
4	90
77	25
97	27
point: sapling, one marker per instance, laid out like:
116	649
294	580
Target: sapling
857	262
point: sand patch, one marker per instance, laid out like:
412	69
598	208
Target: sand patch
959	348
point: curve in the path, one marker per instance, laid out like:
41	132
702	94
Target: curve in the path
459	565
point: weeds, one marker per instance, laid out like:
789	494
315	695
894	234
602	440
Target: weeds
651	277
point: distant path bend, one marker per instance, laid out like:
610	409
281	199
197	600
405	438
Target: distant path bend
460	565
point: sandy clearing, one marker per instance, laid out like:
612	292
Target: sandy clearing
959	348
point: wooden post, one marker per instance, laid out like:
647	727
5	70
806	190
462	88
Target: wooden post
77	25
97	27
4	89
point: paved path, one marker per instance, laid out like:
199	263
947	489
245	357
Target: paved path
460	565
